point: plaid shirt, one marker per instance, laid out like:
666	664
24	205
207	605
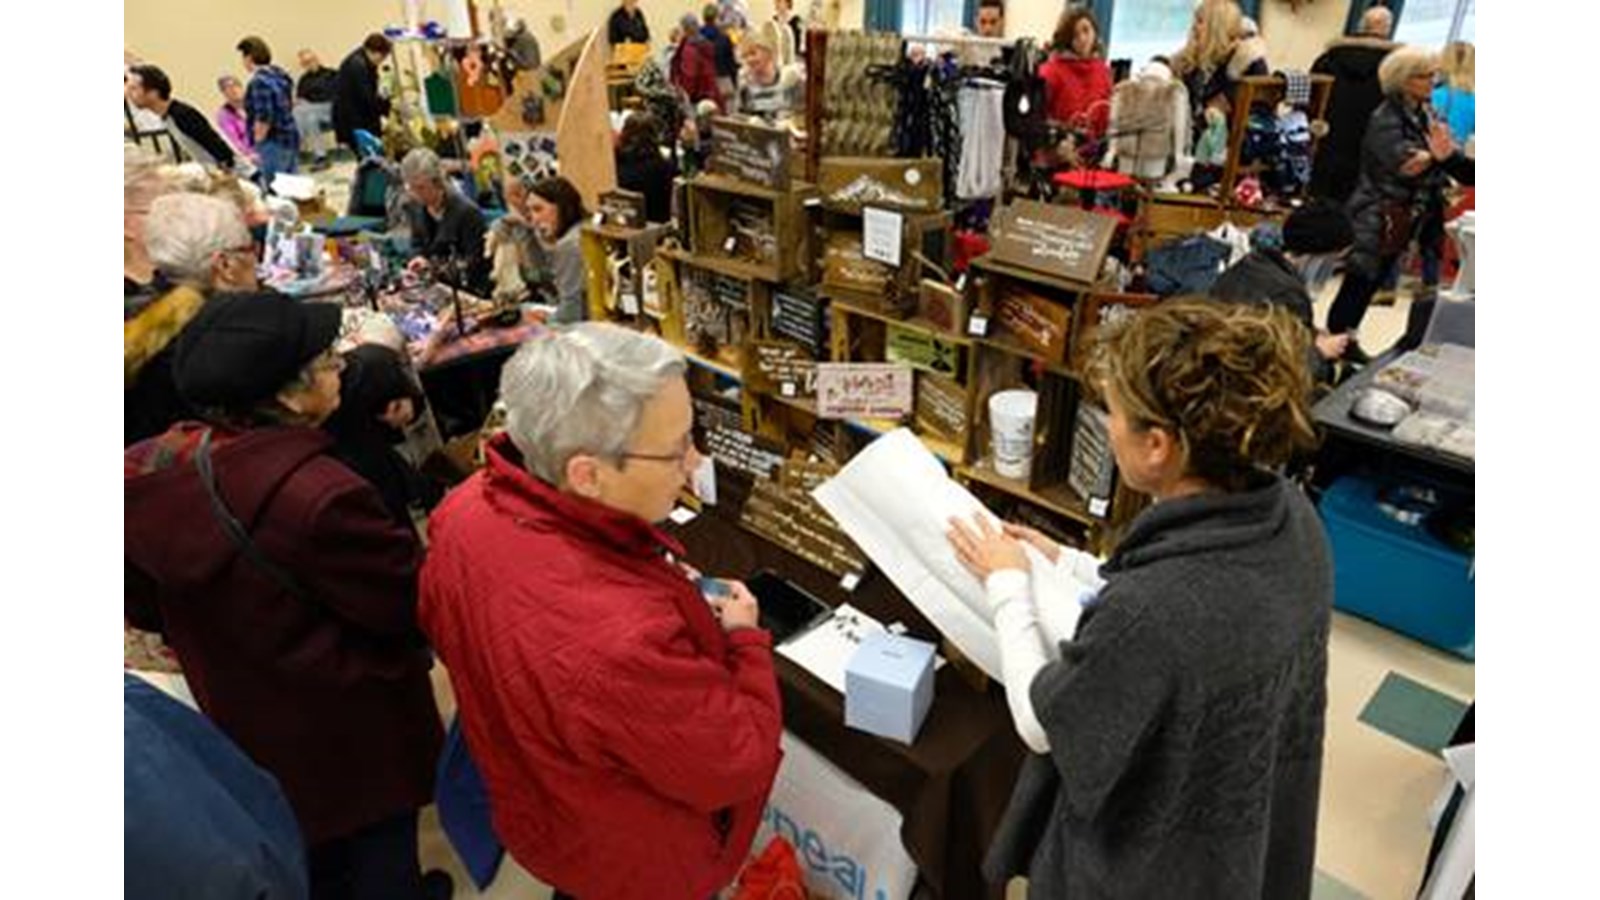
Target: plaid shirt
269	98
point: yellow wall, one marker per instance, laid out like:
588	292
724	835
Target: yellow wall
194	39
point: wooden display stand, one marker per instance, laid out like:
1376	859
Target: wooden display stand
777	251
599	243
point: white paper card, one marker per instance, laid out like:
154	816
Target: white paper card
881	230
704	481
825	650
682	515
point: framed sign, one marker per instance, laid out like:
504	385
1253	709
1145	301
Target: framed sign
1057	240
624	209
1037	322
868	390
941	408
753	153
1098	312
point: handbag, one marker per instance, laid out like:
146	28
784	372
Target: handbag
1397	220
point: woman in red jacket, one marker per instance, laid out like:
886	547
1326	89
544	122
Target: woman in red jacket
1077	80
694	64
287	590
625	727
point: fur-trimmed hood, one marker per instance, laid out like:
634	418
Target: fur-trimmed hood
145	335
1245	54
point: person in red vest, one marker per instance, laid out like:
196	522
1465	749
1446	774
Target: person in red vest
1077	79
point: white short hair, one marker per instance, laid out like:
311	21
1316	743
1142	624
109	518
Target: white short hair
582	389
184	231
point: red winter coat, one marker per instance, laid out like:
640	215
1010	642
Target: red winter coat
1077	92
694	70
628	743
331	695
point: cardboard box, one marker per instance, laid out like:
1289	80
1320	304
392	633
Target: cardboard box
889	686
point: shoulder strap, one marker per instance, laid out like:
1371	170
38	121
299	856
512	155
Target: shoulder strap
235	529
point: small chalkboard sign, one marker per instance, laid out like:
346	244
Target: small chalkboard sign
1093	468
780	367
869	390
797	316
753	153
1056	240
624	209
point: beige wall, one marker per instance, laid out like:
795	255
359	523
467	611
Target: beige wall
193	39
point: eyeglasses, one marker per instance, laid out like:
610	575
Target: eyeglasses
677	458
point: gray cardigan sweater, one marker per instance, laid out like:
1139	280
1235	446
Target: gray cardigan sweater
1186	715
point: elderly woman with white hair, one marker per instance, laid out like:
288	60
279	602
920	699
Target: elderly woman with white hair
447	229
640	731
1406	158
196	244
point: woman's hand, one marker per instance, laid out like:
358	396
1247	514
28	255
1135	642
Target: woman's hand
1050	549
1441	144
1332	346
1418	163
984	549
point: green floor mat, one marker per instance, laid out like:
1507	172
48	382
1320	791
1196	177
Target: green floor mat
1327	887
1413	713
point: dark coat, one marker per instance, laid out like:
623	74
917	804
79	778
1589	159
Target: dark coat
1185	716
650	174
727	61
1393	135
1265	277
373	377
328	691
356	104
1353	63
623	28
694	70
455	238
150	400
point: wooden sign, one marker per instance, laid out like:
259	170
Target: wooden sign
780	367
911	185
743	452
1039	323
754	153
942	306
788	516
941	408
1098	312
1057	240
921	350
797	316
868	390
845	266
1093	466
624	209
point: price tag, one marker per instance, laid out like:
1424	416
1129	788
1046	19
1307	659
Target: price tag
729	244
682	515
1098	507
704	481
961	282
813	202
849	581
788	389
978	326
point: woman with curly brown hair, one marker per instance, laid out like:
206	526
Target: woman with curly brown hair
1178	732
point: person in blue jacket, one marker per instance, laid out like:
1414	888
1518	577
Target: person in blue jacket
199	819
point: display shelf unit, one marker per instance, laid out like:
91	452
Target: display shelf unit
599	244
778	249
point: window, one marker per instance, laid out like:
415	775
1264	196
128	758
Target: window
929	16
1434	23
1145	28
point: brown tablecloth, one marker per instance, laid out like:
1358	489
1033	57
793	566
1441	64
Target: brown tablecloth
953	784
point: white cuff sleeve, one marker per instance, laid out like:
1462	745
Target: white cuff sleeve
1022	650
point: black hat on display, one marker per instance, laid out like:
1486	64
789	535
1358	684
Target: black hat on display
241	349
1317	227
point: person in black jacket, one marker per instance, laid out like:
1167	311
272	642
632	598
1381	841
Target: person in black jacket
149	88
727	61
1353	63
313	104
1406	160
356	104
378	398
1315	237
447	229
627	25
642	167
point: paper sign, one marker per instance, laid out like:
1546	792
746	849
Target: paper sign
870	390
881	235
704	482
921	350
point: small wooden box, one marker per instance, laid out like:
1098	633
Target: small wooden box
942	306
1038	323
760	230
845	266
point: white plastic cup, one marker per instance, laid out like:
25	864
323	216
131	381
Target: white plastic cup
1011	418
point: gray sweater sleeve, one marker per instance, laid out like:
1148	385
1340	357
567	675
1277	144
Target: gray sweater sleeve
566	263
